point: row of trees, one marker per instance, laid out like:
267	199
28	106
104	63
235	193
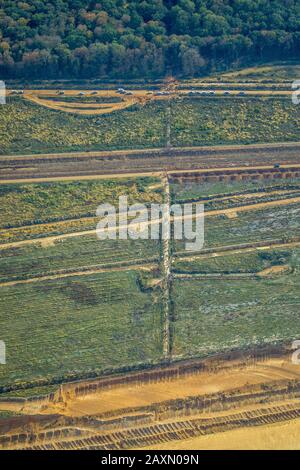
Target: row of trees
127	38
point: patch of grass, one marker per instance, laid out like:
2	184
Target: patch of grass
74	254
56	332
29	128
193	190
28	204
215	316
273	223
8	414
82	99
237	263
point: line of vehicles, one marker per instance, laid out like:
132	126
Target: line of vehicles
123	91
211	93
190	93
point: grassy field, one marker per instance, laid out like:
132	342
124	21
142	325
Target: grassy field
243	189
261	74
211	316
251	226
29	128
28	204
238	263
214	315
71	328
74	254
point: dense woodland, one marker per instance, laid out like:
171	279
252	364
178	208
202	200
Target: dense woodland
143	39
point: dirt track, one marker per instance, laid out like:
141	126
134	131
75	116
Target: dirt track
194	407
91	165
45	241
43	98
86	272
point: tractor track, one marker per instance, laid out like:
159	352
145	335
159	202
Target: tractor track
228	212
134	163
156	433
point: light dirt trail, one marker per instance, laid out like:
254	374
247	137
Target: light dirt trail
237	251
147	151
201	201
141	226
131	174
132	267
166	271
279	436
246	195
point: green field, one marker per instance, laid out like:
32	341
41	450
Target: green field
211	316
29	128
272	223
28	204
74	254
76	327
85	324
210	191
224	313
253	262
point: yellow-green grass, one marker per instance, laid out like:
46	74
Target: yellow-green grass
29	128
212	316
69	329
76	254
265	224
40	203
253	262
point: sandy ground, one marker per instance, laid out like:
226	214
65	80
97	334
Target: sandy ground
281	436
196	384
154	186
142	394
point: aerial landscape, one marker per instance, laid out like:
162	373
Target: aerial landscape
135	342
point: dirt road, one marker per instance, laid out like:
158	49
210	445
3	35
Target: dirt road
149	162
46	241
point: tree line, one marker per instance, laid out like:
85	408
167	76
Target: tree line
143	39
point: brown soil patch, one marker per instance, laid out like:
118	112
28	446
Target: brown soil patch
274	270
281	436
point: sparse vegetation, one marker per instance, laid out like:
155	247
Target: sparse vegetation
29	128
29	204
235	263
69	328
212	316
